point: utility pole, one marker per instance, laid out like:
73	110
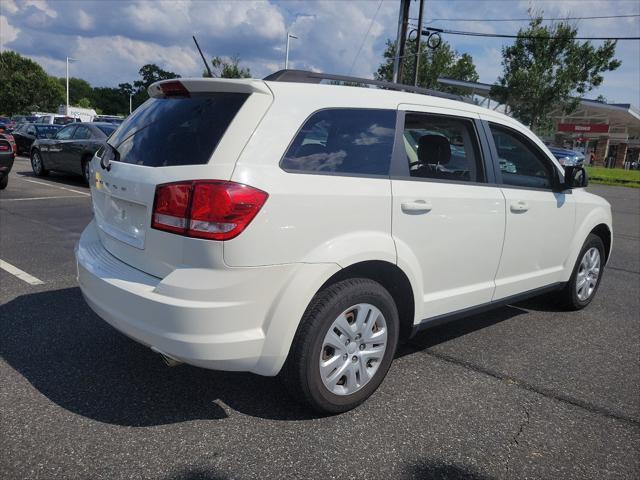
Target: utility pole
403	19
286	57
418	38
130	102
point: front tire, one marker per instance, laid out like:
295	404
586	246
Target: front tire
343	347
586	276
37	165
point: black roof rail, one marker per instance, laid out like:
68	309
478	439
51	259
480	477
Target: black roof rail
304	76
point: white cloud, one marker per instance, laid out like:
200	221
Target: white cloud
8	33
85	21
8	6
42	6
117	37
129	55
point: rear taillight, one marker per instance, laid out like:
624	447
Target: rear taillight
5	147
212	209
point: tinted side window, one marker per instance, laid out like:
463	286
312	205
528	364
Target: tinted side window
66	133
442	148
107	129
82	133
521	163
343	140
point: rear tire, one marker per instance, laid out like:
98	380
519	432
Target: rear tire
343	347
4	181
37	165
586	276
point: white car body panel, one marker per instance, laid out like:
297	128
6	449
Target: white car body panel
236	305
530	257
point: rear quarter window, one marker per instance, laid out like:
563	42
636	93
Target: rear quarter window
176	131
343	141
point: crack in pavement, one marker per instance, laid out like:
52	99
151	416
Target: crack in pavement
545	392
514	439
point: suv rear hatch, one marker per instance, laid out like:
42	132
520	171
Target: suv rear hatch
191	129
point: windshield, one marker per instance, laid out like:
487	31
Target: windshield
176	131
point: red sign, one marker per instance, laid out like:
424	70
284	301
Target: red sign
583	128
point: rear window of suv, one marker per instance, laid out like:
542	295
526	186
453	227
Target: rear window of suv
176	131
342	141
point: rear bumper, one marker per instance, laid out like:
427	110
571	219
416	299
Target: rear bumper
209	318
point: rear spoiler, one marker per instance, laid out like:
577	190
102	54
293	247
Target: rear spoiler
184	86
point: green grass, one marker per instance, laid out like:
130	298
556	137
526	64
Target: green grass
614	176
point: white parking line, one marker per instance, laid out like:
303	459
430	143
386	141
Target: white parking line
56	186
24	276
36	198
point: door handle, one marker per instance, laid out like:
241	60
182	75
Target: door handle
417	206
519	206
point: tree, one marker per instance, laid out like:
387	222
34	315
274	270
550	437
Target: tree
110	101
441	62
547	68
78	88
25	86
152	73
84	102
228	68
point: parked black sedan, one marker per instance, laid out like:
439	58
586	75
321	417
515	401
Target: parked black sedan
27	133
71	149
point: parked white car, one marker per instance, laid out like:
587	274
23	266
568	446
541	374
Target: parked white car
288	228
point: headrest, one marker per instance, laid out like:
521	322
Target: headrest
434	149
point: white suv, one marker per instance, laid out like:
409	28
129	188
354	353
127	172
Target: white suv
289	227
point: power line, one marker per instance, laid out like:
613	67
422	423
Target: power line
353	64
531	37
525	19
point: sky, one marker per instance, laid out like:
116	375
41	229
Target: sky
112	39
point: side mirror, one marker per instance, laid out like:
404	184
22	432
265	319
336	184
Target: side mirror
575	177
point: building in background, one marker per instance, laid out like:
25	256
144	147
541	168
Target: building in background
611	131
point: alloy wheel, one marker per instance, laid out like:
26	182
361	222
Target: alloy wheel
588	273
36	163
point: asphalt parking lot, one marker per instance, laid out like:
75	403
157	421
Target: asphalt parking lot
522	392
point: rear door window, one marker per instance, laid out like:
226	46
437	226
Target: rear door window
343	141
176	131
82	133
107	129
66	133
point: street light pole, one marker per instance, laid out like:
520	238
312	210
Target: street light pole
286	58
73	60
130	96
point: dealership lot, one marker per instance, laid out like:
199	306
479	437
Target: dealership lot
521	392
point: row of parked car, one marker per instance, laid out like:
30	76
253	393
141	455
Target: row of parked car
50	146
